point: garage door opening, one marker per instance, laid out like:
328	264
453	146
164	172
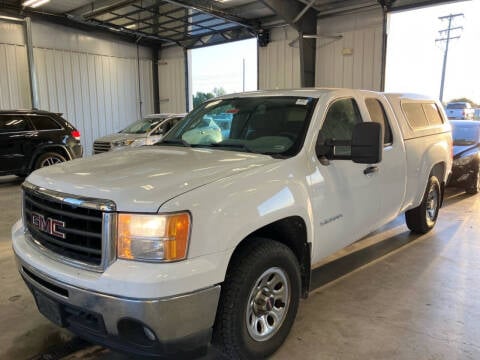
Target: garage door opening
223	69
415	52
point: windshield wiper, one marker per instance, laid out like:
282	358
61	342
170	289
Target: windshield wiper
174	142
238	146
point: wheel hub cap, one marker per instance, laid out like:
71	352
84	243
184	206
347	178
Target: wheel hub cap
267	304
432	205
264	302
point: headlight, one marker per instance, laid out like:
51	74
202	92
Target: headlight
153	237
138	142
122	143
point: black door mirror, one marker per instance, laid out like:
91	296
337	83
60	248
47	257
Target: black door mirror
367	143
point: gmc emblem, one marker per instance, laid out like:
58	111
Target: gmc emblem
48	225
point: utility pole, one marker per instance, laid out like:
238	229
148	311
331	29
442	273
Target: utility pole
450	33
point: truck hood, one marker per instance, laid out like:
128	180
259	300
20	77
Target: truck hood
120	137
142	179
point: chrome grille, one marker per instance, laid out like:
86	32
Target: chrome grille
101	146
73	229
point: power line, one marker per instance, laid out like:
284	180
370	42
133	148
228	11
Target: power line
450	33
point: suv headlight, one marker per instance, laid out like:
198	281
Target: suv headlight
138	142
121	143
159	237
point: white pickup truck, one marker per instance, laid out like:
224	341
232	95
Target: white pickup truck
166	248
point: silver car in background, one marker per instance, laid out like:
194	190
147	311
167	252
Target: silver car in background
146	131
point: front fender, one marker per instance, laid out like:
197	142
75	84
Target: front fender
226	211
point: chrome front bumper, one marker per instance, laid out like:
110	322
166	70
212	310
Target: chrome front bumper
140	326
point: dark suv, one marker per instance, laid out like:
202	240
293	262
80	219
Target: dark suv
31	139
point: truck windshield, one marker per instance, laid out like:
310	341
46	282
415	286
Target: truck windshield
141	126
465	135
265	125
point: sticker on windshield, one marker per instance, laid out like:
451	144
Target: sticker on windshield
301	102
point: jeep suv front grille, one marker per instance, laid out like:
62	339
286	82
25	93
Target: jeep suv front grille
101	146
64	226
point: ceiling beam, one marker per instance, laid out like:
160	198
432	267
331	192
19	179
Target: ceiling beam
303	18
101	6
290	10
209	7
120	34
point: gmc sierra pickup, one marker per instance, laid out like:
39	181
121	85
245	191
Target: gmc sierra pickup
210	236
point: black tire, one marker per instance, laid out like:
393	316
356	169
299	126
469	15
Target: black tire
423	218
243	292
49	158
474	187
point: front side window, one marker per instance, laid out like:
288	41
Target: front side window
12	123
273	125
44	123
341	118
378	115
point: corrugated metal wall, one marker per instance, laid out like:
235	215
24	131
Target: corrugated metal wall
171	78
14	82
279	62
92	80
354	60
99	94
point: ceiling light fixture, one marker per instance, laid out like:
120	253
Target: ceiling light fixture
34	3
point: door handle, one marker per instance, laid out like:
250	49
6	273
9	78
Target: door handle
370	170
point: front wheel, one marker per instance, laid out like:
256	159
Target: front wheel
423	218
259	300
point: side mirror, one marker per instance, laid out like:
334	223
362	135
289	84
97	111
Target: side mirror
367	143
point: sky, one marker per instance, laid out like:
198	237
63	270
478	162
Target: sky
222	66
414	60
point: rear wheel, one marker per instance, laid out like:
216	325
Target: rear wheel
259	300
48	159
423	218
474	187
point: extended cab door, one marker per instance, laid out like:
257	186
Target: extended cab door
346	198
391	175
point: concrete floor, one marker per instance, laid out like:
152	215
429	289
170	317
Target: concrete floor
420	301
